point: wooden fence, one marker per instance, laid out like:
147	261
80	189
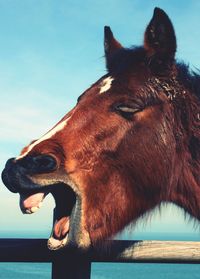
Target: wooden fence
70	264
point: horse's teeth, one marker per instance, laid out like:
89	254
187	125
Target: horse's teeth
55	244
34	209
65	240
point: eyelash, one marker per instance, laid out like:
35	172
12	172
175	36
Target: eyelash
126	111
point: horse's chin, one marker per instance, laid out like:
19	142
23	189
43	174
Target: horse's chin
66	229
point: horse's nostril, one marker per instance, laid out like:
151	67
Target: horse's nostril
44	163
10	163
9	175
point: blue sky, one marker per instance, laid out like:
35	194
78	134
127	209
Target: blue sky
50	52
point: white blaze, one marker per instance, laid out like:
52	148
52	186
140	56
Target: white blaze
106	84
48	135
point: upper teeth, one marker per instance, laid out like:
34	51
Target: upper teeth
33	209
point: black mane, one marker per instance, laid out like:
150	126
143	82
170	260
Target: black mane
190	79
126	59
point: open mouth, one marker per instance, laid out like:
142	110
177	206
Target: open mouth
66	213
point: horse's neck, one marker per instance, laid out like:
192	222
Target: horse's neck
186	192
185	184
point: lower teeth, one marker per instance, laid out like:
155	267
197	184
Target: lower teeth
54	243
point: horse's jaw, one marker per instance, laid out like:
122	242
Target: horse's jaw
67	215
67	228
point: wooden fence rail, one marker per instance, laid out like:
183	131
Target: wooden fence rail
69	264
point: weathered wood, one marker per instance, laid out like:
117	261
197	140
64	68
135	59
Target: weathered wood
35	250
150	252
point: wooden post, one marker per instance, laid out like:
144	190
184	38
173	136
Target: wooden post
74	266
69	264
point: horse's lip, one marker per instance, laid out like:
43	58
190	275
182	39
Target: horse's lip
18	181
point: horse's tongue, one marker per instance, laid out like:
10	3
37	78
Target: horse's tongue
29	201
61	227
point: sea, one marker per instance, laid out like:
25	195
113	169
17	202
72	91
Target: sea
110	270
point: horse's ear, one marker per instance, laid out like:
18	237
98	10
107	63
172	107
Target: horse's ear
111	45
160	39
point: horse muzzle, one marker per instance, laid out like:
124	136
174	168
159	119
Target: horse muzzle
67	231
16	173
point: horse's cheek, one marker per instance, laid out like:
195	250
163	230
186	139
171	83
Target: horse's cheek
153	153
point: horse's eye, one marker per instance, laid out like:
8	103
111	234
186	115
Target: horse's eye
126	111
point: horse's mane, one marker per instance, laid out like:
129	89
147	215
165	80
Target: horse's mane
189	78
127	58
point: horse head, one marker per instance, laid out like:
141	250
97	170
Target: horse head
131	142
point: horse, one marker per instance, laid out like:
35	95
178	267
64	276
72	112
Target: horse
131	143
